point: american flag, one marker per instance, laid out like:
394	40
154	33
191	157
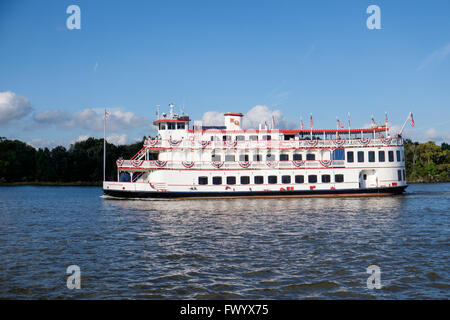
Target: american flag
385	118
373	121
311	121
340	124
301	124
411	119
106	114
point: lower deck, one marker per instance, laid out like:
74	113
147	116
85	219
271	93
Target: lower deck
135	194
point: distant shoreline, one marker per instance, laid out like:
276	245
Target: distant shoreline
52	184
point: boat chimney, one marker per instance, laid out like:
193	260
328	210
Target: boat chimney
233	120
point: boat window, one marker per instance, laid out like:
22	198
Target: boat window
215	157
243	157
360	156
399	175
285	179
381	156
124	177
217	180
202	180
391	156
229	157
299	179
272	179
231	180
162	126
339	178
270	157
171	126
226	138
240	138
289	137
310	156
259	179
297	156
266	137
284	157
371	156
326	178
350	156
398	156
254	138
312	178
180	125
257	157
338	154
245	180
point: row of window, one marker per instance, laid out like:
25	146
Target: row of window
242	138
325	178
371	156
172	125
258	157
310	156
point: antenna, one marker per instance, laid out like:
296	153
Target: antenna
171	109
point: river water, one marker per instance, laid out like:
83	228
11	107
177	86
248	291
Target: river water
223	249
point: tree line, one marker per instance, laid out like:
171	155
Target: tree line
83	162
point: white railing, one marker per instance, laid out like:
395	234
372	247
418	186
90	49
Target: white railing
212	165
270	144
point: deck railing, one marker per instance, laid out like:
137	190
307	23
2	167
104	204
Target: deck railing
270	144
212	165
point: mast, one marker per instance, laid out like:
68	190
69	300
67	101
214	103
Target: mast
104	145
403	126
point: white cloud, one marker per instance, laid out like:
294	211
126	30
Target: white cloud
436	57
91	119
38	143
51	116
213	118
117	120
82	138
251	120
434	135
117	139
261	114
13	107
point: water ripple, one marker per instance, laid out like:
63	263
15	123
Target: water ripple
223	249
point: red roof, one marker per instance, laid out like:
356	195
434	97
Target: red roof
305	132
233	114
170	120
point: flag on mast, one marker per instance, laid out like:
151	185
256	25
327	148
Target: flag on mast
411	119
106	114
385	118
273	122
373	122
311	121
340	124
301	124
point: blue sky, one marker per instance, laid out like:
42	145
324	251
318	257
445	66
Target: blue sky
291	58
